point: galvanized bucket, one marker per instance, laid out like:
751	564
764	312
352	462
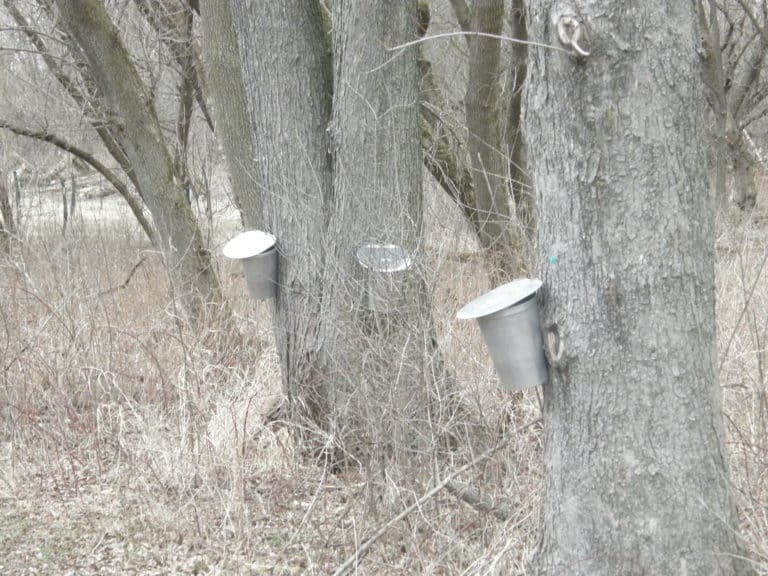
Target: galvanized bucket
256	250
384	268
509	321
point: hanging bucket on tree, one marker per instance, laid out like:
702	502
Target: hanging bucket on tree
256	250
384	269
509	321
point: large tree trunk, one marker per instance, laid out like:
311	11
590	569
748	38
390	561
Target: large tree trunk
636	471
225	82
286	69
194	281
359	375
376	360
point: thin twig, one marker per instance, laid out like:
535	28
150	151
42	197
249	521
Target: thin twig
354	560
127	279
472	498
483	34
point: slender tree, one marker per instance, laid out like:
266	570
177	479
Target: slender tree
139	137
494	220
636	467
733	51
222	61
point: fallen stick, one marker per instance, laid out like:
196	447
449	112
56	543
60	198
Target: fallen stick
127	279
354	560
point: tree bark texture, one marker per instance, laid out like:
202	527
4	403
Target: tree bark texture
514	138
286	68
496	227
7	226
375	359
713	77
636	469
744	188
222	61
138	132
338	166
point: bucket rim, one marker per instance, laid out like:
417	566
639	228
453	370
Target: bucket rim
383	257
248	244
499	298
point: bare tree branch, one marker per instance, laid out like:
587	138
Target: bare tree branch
755	22
85	96
444	153
170	25
472	498
88	158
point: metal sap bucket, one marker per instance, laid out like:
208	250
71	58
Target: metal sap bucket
509	320
384	268
256	250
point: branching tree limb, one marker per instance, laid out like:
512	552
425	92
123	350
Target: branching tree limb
497	229
171	24
92	161
85	94
444	152
514	141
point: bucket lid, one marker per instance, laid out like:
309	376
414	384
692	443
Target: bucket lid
383	257
499	298
248	244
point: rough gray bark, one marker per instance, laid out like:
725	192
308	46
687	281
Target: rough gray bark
337	170
376	361
286	67
222	61
187	88
713	76
744	188
636	471
138	132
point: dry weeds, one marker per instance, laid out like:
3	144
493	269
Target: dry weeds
127	446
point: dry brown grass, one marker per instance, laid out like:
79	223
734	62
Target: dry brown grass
128	446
